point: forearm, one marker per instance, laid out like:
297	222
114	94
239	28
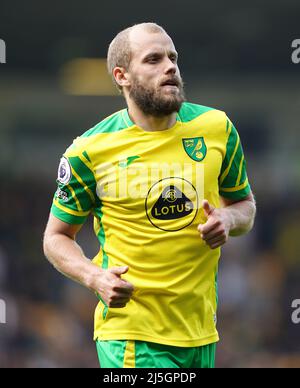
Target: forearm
240	216
68	258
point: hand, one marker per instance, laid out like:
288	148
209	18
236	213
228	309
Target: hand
114	291
215	231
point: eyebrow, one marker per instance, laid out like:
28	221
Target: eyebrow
159	54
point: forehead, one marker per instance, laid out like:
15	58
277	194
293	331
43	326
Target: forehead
143	43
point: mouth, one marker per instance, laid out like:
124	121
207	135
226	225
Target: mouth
170	82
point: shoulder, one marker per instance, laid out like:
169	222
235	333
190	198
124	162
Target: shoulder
214	120
111	124
190	111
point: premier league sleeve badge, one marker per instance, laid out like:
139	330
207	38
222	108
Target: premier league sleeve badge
64	171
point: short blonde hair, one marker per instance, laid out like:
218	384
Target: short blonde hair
119	51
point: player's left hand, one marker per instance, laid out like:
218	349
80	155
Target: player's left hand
215	231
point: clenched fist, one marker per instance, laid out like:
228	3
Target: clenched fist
114	291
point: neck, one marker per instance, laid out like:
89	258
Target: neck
150	123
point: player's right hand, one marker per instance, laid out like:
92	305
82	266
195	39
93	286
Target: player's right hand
114	291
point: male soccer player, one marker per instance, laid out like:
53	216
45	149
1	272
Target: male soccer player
166	183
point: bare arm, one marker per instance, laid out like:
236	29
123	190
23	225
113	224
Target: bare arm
68	258
233	219
241	214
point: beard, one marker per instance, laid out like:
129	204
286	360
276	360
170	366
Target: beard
154	102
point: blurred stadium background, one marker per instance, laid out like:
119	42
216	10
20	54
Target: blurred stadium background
235	56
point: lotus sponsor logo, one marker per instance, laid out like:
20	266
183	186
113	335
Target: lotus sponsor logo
172	204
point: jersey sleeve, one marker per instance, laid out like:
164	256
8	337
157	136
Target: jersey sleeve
75	197
233	180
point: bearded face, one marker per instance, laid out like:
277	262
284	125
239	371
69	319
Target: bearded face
158	100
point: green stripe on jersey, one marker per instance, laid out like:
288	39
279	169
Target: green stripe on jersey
84	179
85	154
233	177
236	195
233	138
66	217
102	238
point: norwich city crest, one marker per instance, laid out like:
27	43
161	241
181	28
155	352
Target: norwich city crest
195	147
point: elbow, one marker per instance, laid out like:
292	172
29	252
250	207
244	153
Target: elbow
50	250
241	231
251	225
47	247
251	216
248	224
247	228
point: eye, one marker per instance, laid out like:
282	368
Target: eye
153	59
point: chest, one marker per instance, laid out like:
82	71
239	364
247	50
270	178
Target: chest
164	176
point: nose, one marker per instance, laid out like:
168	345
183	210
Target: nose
170	67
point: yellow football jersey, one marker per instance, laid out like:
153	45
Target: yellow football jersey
145	191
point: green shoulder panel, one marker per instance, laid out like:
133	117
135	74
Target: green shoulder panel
233	180
113	123
189	111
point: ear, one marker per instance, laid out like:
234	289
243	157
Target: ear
121	76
